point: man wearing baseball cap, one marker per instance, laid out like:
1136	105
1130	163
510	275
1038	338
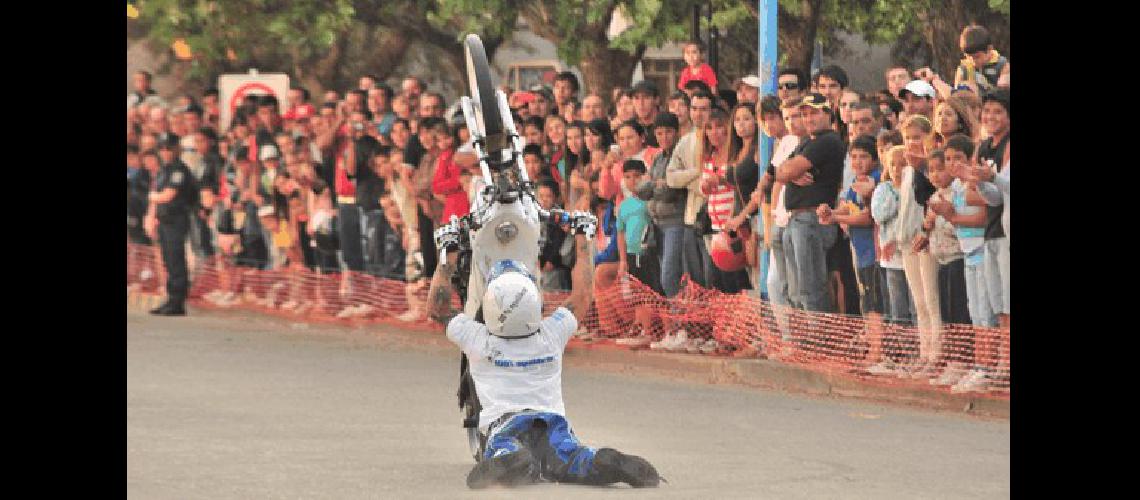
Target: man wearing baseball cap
747	89
917	98
812	177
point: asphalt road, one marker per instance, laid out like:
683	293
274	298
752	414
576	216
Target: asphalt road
220	405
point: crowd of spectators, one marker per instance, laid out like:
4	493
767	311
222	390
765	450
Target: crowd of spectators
892	204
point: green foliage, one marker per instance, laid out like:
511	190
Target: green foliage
255	30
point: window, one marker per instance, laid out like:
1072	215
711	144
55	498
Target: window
663	72
522	76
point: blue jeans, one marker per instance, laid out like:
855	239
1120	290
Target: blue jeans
981	314
673	238
693	256
777	270
899	292
806	243
563	457
997	274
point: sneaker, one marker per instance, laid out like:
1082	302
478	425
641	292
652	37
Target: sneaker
709	346
678	342
924	370
662	344
289	306
509	469
347	312
364	310
975	381
634	337
410	316
884	367
694	346
228	299
951	375
635	342
618	467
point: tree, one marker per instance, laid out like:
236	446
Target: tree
924	32
579	30
320	43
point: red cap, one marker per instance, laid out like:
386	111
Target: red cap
521	98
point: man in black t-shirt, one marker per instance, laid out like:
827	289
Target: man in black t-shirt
812	177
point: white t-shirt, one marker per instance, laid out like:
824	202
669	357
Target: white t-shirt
783	151
515	374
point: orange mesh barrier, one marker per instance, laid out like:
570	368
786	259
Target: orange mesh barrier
626	313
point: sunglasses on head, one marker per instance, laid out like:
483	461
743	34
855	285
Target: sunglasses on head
970	51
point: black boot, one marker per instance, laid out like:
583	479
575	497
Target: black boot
617	467
162	308
169	309
511	469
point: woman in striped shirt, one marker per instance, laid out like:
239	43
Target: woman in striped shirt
720	195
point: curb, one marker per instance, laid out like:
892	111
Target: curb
748	372
768	374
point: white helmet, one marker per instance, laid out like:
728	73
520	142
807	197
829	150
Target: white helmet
512	304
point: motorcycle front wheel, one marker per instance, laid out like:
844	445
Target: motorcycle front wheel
482	91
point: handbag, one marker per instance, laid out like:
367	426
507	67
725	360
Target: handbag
751	251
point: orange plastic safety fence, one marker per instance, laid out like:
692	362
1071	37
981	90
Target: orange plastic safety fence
958	358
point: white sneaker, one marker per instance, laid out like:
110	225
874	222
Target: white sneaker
634	337
951	375
694	346
364	310
411	316
347	312
884	367
679	341
662	344
709	346
641	341
228	299
289	306
975	381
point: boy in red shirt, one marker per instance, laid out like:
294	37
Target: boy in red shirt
697	69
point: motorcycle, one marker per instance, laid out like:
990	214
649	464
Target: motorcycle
505	218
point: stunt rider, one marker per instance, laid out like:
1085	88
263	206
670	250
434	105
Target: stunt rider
515	359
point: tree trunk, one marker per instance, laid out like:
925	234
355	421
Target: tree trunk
797	33
604	68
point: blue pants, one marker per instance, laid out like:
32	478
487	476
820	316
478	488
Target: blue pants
550	440
673	238
806	243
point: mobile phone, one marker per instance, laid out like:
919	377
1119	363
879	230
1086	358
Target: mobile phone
615	148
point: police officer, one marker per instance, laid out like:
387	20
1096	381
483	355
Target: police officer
174	197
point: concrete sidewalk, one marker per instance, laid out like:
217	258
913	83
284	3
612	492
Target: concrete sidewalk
750	372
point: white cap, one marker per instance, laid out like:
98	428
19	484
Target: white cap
512	306
268	151
751	81
919	88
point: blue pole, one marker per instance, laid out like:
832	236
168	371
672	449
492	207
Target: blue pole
767	59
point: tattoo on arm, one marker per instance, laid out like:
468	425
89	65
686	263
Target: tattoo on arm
439	294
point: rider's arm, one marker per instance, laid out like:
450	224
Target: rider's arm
439	293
